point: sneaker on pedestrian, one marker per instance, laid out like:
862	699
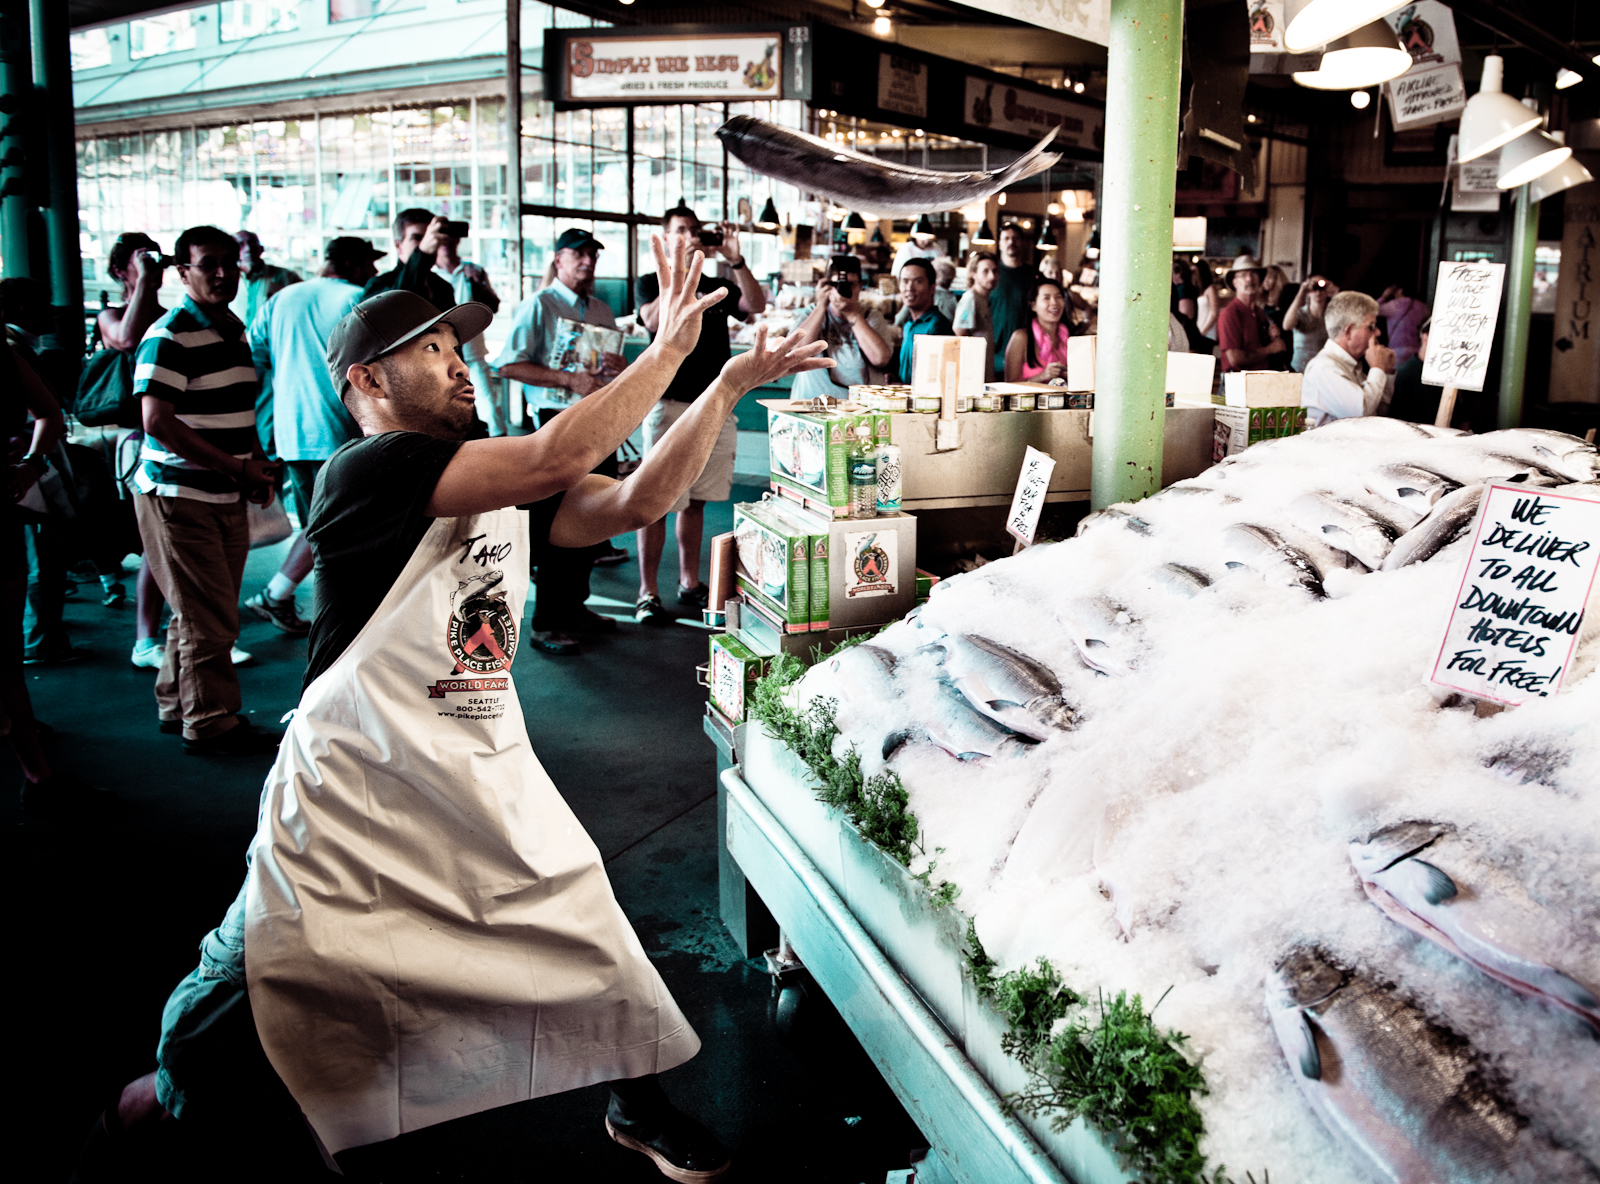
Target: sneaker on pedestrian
243	739
553	641
280	612
697	597
611	556
239	656
170	727
148	653
588	621
648	610
112	594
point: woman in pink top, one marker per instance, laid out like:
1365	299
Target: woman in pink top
1403	316
1039	352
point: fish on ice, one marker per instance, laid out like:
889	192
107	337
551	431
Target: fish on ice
1450	518
953	725
1009	687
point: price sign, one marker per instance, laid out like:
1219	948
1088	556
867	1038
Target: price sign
1515	618
1465	308
1028	501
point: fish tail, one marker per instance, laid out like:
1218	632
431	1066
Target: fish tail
1032	162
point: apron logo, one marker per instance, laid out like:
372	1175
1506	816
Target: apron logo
445	685
481	634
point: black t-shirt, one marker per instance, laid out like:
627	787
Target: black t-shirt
705	361
368	515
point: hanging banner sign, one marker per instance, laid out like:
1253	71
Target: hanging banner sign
1422	98
1003	108
1515	618
902	85
1027	503
1575	352
1466	305
1427	30
1266	26
661	68
1476	184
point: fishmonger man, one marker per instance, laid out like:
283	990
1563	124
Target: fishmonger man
430	932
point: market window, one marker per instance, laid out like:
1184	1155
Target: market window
91	49
242	19
355	10
172	32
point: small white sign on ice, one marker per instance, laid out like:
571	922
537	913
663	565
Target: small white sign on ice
1515	618
1027	503
1465	309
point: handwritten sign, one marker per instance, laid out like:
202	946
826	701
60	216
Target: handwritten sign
1421	98
1028	501
1514	622
1466	305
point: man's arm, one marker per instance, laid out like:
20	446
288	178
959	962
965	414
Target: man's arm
599	508
874	348
514	470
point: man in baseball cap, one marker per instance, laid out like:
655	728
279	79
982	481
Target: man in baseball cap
430	932
1247	338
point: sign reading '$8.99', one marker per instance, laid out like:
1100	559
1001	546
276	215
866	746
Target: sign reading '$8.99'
673	68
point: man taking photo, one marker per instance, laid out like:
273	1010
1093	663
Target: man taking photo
743	298
858	339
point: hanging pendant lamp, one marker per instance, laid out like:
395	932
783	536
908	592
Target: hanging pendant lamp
1492	118
854	222
924	226
1322	21
1047	240
769	216
1569	174
1366	57
1529	157
985	236
1566	77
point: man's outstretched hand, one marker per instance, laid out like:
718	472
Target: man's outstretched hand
764	363
680	307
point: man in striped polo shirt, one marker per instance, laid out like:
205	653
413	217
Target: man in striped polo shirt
200	459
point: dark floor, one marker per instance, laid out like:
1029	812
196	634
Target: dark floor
106	920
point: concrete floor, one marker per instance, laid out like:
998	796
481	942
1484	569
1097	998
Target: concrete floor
105	920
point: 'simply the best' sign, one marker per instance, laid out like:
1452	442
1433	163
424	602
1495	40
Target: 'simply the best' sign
1028	501
1515	620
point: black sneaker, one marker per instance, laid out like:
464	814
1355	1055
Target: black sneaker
244	739
113	595
682	1149
589	621
611	556
697	597
553	641
648	610
171	727
280	612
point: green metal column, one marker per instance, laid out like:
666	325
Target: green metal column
52	75
1519	309
1146	54
16	80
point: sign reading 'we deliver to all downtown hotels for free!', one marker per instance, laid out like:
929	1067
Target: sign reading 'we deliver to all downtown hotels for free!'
659	68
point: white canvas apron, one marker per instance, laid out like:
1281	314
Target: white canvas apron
429	930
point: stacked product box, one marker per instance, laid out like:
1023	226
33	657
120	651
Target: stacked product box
1260	405
773	568
731	675
808	452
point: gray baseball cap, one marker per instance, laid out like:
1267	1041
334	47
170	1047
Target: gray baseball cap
387	321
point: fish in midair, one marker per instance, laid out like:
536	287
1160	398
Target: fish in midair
866	184
953	725
1432	880
1009	687
1408	1099
1446	522
1265	552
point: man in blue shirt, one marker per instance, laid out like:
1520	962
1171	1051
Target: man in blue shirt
289	345
917	287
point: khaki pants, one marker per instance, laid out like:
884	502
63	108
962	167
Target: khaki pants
196	552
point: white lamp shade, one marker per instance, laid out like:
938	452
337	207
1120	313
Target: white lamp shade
1492	118
1366	57
1566	77
1322	21
1566	175
1528	157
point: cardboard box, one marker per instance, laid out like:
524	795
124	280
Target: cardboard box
817	531
809	451
1237	428
1080	363
774	564
1191	376
947	368
732	674
1261	388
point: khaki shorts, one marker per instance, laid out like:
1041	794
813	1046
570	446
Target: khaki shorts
715	483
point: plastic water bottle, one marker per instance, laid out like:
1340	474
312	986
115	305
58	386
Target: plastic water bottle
863	475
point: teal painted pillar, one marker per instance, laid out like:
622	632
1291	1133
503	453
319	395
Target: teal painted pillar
52	76
1519	309
1145	57
16	80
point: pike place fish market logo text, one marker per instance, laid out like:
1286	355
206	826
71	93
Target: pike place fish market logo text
481	635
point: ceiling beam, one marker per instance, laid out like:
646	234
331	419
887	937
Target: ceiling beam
1528	35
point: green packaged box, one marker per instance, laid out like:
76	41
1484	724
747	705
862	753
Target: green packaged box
732	674
809	451
774	563
820	531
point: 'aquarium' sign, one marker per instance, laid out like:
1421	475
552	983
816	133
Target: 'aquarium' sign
684	67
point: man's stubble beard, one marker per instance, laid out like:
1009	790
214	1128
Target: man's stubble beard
444	419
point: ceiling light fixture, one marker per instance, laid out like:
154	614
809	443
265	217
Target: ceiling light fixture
1077	88
985	236
855	222
1360	99
1566	77
769	216
1492	118
924	225
1322	21
1369	56
882	26
1529	157
1566	175
1047	240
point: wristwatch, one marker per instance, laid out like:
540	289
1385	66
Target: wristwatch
739	266
39	461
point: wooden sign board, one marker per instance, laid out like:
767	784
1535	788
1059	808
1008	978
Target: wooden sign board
1027	503
1515	618
1466	306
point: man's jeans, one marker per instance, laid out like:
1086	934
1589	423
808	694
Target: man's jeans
196	552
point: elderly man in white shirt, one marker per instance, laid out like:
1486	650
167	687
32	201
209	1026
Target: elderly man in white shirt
1334	387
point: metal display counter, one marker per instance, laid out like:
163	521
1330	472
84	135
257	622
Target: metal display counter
892	965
